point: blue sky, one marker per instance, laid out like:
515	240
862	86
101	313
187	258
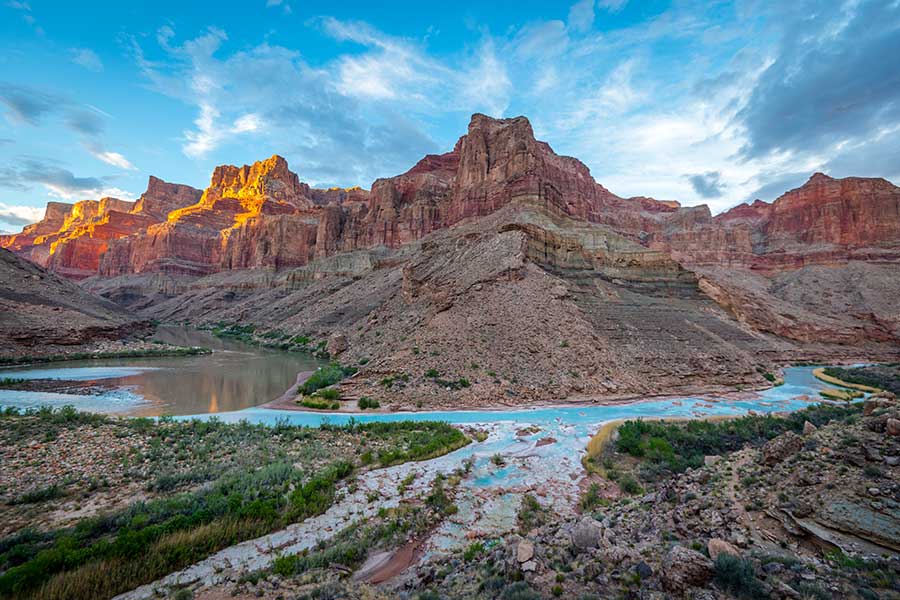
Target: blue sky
703	102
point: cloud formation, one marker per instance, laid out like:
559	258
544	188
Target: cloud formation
20	216
57	180
87	58
32	106
708	185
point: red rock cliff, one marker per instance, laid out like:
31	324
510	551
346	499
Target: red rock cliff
262	215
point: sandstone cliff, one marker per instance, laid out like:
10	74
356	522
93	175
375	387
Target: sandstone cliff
72	238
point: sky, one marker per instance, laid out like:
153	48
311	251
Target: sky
697	101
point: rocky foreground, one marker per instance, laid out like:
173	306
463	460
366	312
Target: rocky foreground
808	514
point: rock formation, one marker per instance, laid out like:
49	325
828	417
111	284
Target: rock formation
43	313
72	237
518	251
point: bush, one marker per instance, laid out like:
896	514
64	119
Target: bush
737	576
473	551
324	377
519	591
366	402
320	404
328	393
40	495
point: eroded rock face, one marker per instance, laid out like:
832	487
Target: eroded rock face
262	215
822	222
43	313
72	237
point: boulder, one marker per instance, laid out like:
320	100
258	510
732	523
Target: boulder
524	551
808	428
337	344
717	546
892	427
587	534
780	448
683	568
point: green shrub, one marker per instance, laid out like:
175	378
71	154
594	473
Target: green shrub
737	576
320	404
324	377
473	551
40	495
366	402
519	591
328	393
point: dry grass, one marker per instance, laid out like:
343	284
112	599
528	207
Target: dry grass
107	578
846	395
822	376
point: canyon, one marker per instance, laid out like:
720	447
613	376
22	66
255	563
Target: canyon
504	265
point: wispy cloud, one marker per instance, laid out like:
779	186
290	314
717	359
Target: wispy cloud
59	182
19	216
88	59
32	107
697	102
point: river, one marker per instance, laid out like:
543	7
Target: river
235	376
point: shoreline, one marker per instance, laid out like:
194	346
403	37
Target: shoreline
704	394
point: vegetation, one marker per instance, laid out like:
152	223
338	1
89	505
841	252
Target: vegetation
738	576
324	377
675	447
366	402
531	514
846	395
182	521
11	382
136	353
350	547
453	384
871	378
319	403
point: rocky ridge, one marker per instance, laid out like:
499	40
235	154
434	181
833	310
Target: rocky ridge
43	313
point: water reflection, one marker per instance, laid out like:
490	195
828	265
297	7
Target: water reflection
236	376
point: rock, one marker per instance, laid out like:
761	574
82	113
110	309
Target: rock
644	570
711	460
683	568
717	546
524	551
586	534
808	428
778	449
892	427
337	344
529	566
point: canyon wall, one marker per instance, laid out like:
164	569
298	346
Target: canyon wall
262	215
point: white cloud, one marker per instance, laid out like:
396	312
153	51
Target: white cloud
19	216
247	123
69	195
115	159
581	15
88	59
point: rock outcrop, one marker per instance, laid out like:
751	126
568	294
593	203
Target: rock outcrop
72	238
262	215
43	313
825	221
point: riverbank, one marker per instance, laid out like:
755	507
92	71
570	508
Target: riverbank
133	349
171	491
